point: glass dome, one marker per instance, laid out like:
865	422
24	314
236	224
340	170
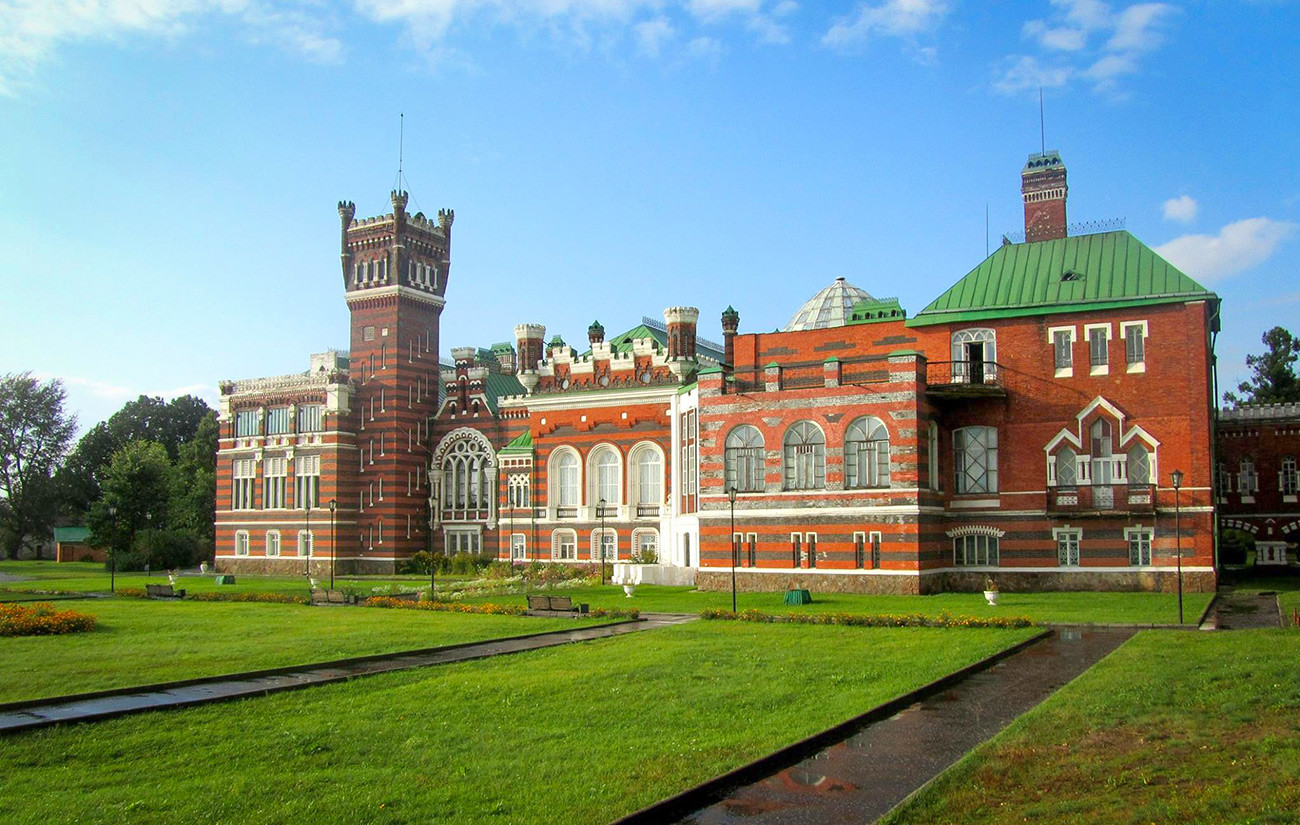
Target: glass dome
828	308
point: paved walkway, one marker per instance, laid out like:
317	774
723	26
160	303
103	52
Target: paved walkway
867	774
20	716
1245	611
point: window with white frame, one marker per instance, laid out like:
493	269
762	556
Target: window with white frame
974	356
517	492
564	545
1067	468
1287	479
606	472
311	418
1139	546
1062	350
1135	345
241	543
1247	479
305	543
459	541
247	423
646	545
272	543
980	550
975	459
647	476
805	457
243	476
866	453
796	549
565	478
1138	462
1098	348
604	545
277	421
935	470
1067	546
466	480
274	472
518	546
744	459
306	480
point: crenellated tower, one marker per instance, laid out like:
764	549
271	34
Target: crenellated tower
395	270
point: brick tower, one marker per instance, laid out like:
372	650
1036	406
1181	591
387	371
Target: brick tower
1042	186
395	271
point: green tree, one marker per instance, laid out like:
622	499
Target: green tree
35	433
136	496
1273	379
194	484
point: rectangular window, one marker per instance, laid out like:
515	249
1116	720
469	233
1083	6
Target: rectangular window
1063	348
1139	546
274	473
1099	348
277	421
564	545
1247	478
246	423
751	547
272	543
1067	548
518	546
310	418
981	551
306	473
811	539
796	549
875	551
305	543
1288	481
975	460
1135	346
860	550
243	475
241	543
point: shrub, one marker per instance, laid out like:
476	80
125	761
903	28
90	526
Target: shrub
266	598
944	619
421	561
41	620
447	607
160	550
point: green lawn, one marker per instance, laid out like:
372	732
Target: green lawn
1172	727
140	641
577	734
1057	608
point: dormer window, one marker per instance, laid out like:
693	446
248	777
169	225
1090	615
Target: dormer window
1071	275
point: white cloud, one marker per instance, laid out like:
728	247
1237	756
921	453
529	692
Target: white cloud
758	17
1027	72
707	48
1138	27
1059	38
892	18
1182	208
651	35
1238	247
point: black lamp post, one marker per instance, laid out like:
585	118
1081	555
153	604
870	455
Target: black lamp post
600	508
1177	476
731	497
307	509
112	552
333	547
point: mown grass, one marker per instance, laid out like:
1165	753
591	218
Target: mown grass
577	734
1171	727
139	641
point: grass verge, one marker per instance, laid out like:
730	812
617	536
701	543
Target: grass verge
578	734
1171	727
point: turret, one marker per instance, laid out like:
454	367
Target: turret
347	211
595	333
730	323
1042	186
681	323
528	342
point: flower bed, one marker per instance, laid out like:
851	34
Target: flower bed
944	619
42	620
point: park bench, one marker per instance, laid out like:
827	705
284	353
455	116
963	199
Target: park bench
555	604
320	595
163	591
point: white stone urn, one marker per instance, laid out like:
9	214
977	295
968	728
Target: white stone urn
203	567
992	597
629	589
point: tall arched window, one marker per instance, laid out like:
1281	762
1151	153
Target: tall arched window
564	477
805	457
974	356
466	480
647	476
605	472
744	459
1139	465
1067	470
866	453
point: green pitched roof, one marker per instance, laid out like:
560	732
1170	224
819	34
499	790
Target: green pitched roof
522	443
498	385
623	343
1084	272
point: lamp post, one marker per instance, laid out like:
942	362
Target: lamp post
1177	476
333	546
307	509
600	509
731	497
112	552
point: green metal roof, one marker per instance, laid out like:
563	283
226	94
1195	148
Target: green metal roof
498	385
71	533
523	443
623	342
1105	270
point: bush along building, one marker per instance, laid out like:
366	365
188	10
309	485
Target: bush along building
1022	427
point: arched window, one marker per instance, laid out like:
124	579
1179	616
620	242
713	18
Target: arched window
466	479
744	459
1067	470
605	472
1139	465
565	475
975	460
805	457
647	476
866	453
974	356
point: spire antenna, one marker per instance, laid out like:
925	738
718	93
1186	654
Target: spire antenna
1042	123
401	144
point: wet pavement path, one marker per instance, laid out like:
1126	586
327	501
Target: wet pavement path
1245	611
861	778
20	716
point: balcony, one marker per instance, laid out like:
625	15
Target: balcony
964	379
1101	499
566	512
647	511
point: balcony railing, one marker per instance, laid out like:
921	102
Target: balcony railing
566	512
647	511
1102	498
964	379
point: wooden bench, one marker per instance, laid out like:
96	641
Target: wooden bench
320	595
163	591
555	604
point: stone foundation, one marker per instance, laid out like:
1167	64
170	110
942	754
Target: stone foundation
294	566
767	581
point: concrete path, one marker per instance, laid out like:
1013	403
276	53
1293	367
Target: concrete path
1245	611
21	716
864	776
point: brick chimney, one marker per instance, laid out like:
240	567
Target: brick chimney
1042	185
730	323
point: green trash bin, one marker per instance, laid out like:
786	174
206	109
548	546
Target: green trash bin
798	596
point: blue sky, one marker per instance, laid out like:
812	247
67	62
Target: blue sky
170	169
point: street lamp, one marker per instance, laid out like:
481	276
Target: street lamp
112	552
307	509
600	509
1177	476
731	497
333	546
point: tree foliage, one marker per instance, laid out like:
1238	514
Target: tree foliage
136	496
35	433
1273	379
194	483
